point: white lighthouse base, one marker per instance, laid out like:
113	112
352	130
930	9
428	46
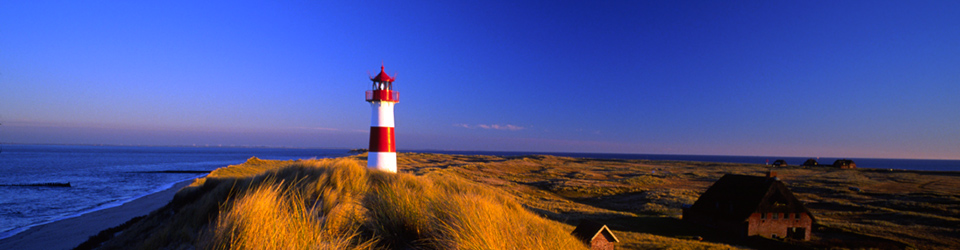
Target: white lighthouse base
384	161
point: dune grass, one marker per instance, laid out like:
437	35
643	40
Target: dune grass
444	201
339	204
641	200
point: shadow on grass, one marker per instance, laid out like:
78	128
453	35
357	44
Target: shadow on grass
672	227
676	228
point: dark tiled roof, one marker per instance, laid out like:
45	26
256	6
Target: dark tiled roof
735	197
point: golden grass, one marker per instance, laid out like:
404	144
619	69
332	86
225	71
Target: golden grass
894	209
270	217
487	202
339	204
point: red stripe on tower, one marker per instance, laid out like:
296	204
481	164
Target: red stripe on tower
383	148
381	139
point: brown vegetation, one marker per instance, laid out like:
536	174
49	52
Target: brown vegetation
485	202
641	200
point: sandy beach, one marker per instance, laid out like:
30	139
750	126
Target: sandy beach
68	233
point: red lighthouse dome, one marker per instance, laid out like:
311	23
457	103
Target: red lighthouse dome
382	77
382	88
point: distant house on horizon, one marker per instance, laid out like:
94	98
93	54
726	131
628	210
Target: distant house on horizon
810	163
779	163
595	235
844	164
751	205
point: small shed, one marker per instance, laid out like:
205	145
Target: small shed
844	163
595	235
810	163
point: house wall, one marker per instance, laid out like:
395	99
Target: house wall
732	228
768	226
601	243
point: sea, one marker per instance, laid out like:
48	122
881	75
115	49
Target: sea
33	177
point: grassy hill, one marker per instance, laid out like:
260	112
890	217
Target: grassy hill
443	201
339	204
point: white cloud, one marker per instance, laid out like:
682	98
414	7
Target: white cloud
332	129
491	126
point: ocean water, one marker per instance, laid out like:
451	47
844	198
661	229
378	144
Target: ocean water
106	176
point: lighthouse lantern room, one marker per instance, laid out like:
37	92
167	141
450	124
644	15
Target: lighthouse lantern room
383	151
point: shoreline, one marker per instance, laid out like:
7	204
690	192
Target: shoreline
69	232
104	206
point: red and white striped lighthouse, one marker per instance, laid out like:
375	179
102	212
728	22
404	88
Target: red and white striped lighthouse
383	148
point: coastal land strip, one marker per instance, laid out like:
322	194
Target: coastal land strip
69	233
641	200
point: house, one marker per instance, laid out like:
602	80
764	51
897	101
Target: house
595	235
844	163
810	163
780	163
746	205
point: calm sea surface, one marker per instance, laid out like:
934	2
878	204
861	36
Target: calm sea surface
106	176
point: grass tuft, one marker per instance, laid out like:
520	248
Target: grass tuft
340	204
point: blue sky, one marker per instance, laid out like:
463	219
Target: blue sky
803	78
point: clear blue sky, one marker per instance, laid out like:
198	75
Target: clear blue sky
780	78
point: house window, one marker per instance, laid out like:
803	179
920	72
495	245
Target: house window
796	216
763	216
776	216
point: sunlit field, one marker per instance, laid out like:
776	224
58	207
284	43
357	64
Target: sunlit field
339	204
442	201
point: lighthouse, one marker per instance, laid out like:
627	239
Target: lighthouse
383	148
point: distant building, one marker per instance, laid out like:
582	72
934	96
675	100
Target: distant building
595	235
844	163
810	163
751	205
779	163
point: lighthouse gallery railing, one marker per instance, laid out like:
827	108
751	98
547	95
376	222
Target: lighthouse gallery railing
383	95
